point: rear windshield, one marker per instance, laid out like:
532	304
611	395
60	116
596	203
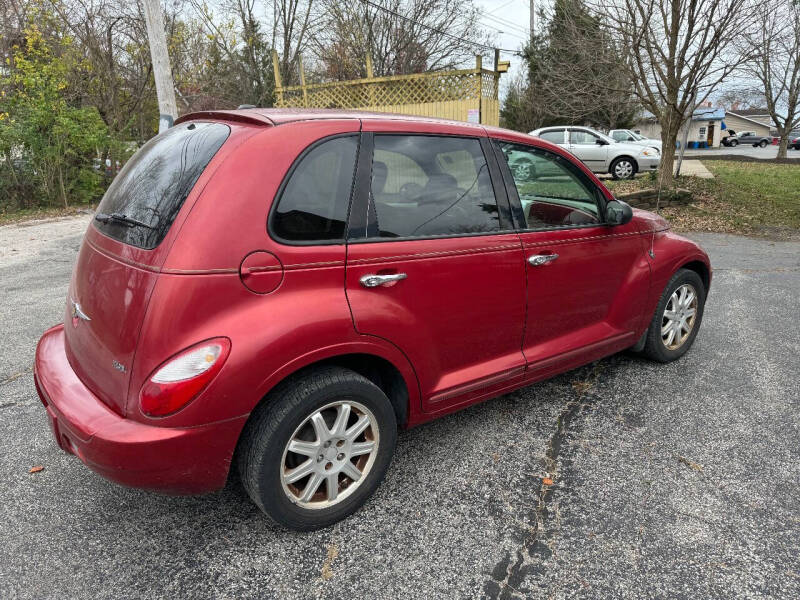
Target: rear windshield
154	183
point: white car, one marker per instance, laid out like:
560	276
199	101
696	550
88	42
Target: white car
631	137
601	153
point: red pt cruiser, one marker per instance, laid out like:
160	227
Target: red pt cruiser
279	291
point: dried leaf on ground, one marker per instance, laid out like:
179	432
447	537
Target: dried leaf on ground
691	464
327	572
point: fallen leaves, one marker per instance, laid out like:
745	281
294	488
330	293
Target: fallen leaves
327	572
547	481
36	469
582	387
691	464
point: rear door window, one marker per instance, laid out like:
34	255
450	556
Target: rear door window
553	135
155	182
314	202
429	186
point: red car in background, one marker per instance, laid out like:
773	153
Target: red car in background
279	291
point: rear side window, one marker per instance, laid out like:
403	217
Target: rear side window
315	199
554	135
428	186
155	182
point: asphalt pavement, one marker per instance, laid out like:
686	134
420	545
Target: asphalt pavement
750	151
668	481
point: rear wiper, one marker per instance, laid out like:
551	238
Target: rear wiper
120	218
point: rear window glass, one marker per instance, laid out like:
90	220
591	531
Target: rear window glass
314	203
154	183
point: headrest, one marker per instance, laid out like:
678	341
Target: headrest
379	175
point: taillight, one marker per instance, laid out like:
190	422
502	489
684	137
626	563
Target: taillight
181	378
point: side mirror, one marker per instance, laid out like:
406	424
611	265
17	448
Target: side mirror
600	142
618	213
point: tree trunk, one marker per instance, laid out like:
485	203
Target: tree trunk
667	166
783	145
61	185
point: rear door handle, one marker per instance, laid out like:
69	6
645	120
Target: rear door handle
537	260
371	281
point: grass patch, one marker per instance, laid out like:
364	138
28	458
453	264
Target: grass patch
30	214
750	198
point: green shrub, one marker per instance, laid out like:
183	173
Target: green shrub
47	144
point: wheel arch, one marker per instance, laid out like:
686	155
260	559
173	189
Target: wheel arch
622	156
387	368
701	269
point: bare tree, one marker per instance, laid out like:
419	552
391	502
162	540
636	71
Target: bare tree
772	48
401	36
677	53
293	22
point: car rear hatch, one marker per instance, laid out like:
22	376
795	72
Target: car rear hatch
123	251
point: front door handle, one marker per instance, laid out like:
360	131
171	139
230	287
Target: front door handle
537	260
371	281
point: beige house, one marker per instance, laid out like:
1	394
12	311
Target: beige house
739	123
709	125
706	126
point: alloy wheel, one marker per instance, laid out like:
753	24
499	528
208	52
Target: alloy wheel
330	454
522	171
679	317
623	169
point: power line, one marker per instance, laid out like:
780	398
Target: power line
506	24
439	31
501	6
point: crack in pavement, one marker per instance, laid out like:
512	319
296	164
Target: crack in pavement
508	575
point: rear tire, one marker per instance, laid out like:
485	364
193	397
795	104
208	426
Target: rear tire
763	143
733	143
289	420
671	317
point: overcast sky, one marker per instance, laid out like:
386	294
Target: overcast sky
508	21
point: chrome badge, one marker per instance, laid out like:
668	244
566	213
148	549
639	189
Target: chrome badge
118	366
77	313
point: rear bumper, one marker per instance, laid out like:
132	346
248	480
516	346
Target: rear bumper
189	460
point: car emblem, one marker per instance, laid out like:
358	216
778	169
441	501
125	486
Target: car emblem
118	366
77	313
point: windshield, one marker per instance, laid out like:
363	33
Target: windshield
144	199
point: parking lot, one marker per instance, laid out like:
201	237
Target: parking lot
668	481
768	153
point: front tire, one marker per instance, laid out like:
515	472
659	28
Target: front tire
734	143
677	318
317	447
623	168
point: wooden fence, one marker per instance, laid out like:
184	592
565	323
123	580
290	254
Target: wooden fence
462	95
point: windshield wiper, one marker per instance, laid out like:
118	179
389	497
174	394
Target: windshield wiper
120	218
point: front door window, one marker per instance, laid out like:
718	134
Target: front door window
551	193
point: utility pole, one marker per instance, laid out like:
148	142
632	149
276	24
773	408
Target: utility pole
532	16
165	89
